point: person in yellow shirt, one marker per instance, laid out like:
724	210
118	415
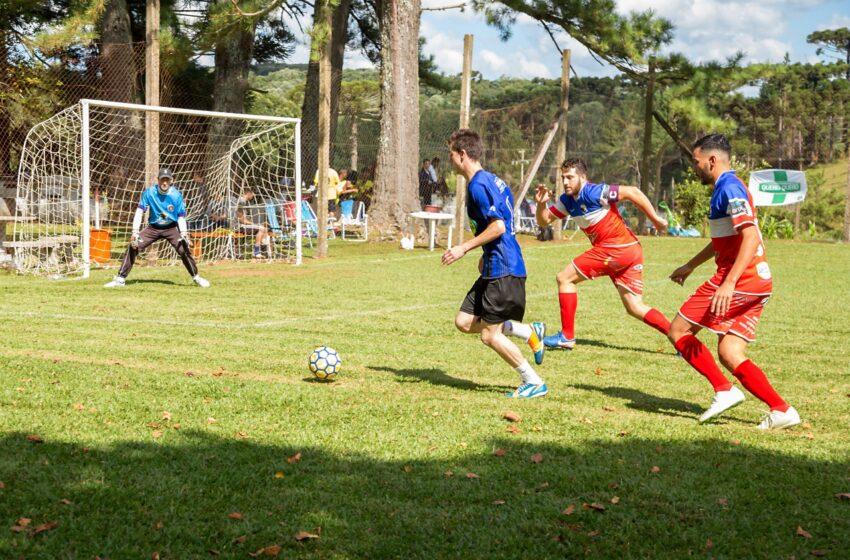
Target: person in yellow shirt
333	190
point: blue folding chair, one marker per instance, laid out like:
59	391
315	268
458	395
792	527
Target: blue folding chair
346	209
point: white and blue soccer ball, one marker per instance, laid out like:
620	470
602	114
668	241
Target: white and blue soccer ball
325	362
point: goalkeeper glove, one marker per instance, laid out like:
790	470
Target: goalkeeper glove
187	238
134	240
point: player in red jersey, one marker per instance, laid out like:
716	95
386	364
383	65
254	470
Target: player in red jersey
616	252
731	302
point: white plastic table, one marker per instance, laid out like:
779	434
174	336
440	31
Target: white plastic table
432	218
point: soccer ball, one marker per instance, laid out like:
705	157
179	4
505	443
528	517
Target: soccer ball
325	362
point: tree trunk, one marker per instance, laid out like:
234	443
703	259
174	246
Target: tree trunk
353	150
647	142
310	105
5	118
396	193
325	18
117	61
233	54
847	206
561	147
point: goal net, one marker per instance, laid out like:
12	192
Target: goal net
83	171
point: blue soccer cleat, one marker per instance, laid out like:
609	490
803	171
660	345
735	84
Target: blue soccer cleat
536	341
559	341
528	391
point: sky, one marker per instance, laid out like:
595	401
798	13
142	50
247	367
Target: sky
703	30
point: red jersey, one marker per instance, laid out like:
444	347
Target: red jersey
595	212
731	209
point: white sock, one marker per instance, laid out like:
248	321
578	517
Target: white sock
519	330
527	374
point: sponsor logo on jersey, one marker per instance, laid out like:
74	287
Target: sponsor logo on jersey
739	207
763	270
171	208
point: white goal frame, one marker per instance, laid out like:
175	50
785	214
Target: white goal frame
85	179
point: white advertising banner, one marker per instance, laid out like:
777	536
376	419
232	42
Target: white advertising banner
777	187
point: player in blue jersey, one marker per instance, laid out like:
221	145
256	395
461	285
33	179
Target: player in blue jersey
495	305
166	220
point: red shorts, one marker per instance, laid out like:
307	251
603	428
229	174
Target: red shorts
741	319
624	265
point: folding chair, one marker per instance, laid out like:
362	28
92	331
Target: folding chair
349	219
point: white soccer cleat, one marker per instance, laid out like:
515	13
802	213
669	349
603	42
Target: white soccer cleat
722	401
201	281
777	420
117	282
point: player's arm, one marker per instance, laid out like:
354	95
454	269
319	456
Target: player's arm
493	231
680	274
636	197
137	220
182	226
542	214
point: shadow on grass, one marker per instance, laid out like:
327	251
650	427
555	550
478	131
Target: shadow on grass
152	281
646	402
598	343
439	377
173	496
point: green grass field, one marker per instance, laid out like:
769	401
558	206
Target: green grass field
164	410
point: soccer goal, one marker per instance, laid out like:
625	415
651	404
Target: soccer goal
83	170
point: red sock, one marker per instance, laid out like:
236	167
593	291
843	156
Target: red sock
569	303
754	380
657	321
699	356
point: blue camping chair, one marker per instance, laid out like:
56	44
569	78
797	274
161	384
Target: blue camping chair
346	209
309	221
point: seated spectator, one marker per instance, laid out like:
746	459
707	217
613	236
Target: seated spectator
244	223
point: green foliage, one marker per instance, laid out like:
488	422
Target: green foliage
691	201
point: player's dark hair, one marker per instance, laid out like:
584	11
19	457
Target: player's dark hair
714	141
469	141
576	163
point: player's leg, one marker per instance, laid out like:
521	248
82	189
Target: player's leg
732	349
692	317
532	333
636	307
531	385
628	277
567	280
185	254
467	323
147	236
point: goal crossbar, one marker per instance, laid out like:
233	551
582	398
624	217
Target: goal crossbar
178	111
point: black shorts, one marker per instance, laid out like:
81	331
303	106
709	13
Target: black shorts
496	300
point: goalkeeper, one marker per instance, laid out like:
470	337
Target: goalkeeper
166	220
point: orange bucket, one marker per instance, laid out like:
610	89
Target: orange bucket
100	245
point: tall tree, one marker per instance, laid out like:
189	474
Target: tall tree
117	61
836	42
398	151
310	107
19	63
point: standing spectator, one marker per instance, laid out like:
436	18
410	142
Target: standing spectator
426	184
333	190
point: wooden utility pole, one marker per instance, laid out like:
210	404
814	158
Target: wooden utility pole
847	206
561	146
647	139
324	128
151	90
465	94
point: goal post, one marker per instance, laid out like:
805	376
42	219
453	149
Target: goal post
82	172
